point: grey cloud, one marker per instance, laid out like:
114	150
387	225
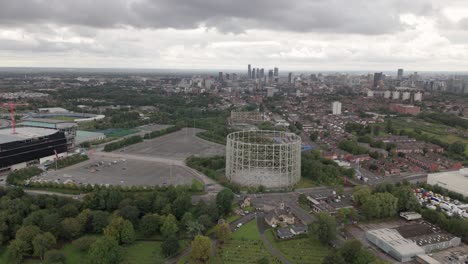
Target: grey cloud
341	16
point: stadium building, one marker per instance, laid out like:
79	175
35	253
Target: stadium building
67	127
30	145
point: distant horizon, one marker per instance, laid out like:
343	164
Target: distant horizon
220	35
205	70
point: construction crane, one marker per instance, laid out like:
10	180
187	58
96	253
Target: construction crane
12	115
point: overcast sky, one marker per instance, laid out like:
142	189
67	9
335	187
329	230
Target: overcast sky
228	34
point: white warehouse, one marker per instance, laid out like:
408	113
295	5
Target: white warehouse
390	241
455	181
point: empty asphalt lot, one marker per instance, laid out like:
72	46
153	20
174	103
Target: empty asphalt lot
125	172
178	146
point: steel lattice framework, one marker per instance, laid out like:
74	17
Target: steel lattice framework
263	158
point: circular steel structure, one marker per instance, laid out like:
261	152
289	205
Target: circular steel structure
263	158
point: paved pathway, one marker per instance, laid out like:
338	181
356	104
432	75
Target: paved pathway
269	246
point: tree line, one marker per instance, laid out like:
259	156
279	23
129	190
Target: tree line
323	171
35	226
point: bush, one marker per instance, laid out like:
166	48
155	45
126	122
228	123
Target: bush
68	161
162	132
83	243
19	176
123	143
54	257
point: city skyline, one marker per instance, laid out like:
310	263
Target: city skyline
338	36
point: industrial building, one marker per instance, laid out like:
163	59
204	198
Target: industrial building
455	181
406	242
428	236
392	243
67	127
263	158
28	145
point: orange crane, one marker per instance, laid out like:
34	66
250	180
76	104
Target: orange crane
12	115
13	120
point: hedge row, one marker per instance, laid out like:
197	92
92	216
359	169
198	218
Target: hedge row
137	139
162	132
19	176
123	143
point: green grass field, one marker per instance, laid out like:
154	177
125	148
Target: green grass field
247	231
440	131
144	252
63	118
300	250
305	183
245	246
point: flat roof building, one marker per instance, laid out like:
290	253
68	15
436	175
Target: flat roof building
29	145
392	243
67	127
455	181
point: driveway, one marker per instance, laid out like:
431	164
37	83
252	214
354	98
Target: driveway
260	225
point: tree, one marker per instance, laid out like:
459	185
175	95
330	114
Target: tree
333	258
201	247
121	230
27	234
71	228
170	246
263	260
100	220
43	242
84	243
407	201
105	250
224	201
68	210
350	250
54	257
169	227
181	205
326	227
361	194
457	147
127	235
313	136
364	256
130	213
194	228
52	223
223	232
150	224
16	250
389	127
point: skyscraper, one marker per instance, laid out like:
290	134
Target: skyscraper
253	74
400	74
270	74
257	73
336	108
249	72
220	76
290	79
276	72
378	76
262	73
